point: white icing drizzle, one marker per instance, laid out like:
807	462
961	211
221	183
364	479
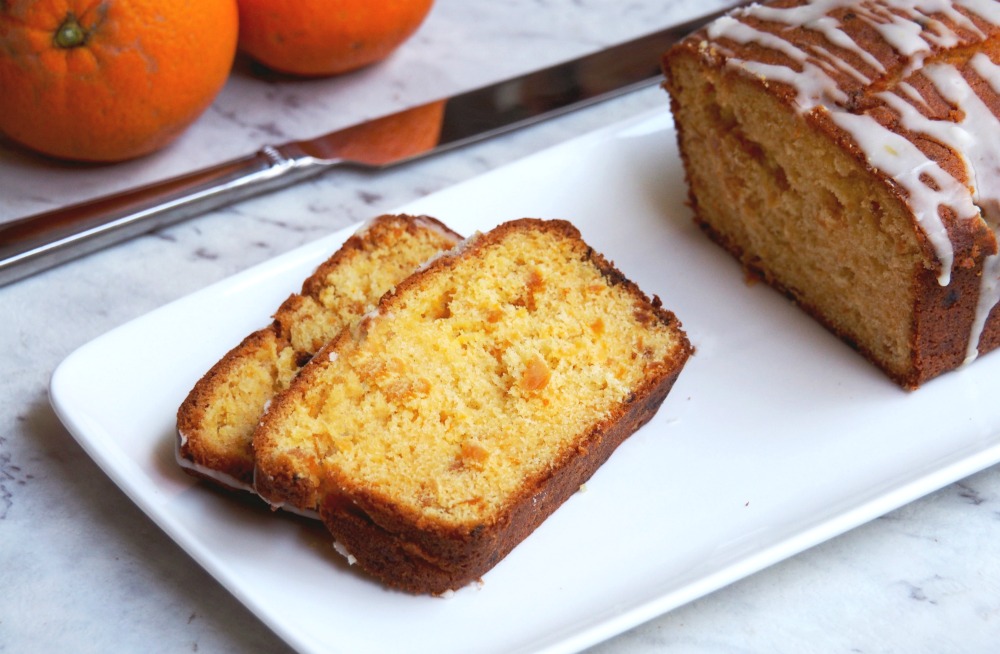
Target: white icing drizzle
742	33
971	138
990	73
905	36
828	60
906	165
455	251
219	477
830	28
989	297
912	94
988	10
311	514
814	16
434	226
233	483
366	226
985	161
341	549
912	28
812	82
424	221
972	135
812	91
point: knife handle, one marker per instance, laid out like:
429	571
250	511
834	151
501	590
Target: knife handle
35	243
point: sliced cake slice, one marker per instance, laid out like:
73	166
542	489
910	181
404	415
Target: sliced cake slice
451	421
215	424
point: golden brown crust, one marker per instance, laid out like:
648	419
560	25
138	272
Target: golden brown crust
405	547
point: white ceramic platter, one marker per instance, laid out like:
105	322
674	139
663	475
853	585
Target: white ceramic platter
775	438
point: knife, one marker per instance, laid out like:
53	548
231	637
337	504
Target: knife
34	243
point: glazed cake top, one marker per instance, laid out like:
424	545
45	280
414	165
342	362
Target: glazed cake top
912	86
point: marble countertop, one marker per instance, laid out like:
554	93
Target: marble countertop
83	569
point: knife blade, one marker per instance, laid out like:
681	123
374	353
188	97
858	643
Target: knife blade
35	243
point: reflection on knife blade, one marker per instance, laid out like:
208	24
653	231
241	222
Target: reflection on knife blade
35	243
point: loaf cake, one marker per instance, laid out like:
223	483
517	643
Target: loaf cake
451	421
215	424
846	152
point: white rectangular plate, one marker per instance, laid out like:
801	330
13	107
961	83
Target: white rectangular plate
775	438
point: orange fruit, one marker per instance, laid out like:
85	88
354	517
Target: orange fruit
326	37
109	80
